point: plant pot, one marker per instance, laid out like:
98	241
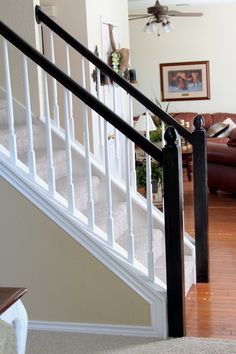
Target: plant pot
142	191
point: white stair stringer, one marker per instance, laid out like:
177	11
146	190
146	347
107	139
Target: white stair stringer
154	294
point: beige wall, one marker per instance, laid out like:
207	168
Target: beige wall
19	16
65	282
116	11
82	18
71	15
210	37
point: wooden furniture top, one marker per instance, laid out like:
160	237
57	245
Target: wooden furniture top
187	149
8	296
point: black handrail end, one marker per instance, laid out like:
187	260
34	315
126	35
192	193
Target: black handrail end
37	15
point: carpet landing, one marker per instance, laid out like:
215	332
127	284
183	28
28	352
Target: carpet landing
40	342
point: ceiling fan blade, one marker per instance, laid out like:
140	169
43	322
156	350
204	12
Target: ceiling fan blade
139	17
182	14
136	15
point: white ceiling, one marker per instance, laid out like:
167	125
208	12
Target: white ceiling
143	4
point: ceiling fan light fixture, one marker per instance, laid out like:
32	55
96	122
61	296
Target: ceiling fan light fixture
166	26
159	18
150	27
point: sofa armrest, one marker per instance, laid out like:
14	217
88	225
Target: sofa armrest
218	140
232	138
221	154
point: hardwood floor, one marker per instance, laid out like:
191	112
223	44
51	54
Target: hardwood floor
211	308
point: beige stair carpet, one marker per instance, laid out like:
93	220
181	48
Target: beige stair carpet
40	342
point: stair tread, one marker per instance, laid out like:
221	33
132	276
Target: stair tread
3	103
141	244
80	189
21	137
160	270
118	213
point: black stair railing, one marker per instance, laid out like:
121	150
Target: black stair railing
197	139
106	69
169	158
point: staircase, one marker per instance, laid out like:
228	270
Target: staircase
98	186
104	214
119	211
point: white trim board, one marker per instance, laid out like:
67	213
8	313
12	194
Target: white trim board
137	331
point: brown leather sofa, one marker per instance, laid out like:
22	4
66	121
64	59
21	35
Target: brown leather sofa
221	152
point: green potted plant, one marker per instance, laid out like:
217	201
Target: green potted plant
156	177
156	135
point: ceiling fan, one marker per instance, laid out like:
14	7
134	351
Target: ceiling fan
159	14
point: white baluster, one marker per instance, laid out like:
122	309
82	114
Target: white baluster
117	150
151	273
31	152
110	222
70	185
10	114
129	204
70	100
51	171
100	119
90	202
54	86
162	134
132	149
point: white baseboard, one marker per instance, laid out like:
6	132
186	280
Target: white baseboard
122	330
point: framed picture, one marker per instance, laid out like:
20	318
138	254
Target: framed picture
185	81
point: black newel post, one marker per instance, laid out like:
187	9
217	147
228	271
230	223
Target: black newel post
200	200
173	205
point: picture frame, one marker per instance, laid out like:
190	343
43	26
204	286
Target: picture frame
185	81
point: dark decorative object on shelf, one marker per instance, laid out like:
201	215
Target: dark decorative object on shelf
128	74
132	76
104	80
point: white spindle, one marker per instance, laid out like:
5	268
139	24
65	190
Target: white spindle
100	119
162	134
70	100
10	114
90	202
117	150
110	222
54	86
129	203
70	185
132	149
151	273
31	152
51	171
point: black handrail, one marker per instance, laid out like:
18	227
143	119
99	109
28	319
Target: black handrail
151	106
81	93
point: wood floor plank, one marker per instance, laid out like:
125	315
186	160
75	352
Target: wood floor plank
211	308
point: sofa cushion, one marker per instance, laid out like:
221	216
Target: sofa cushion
218	129
220	117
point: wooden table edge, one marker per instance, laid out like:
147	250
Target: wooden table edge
8	296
